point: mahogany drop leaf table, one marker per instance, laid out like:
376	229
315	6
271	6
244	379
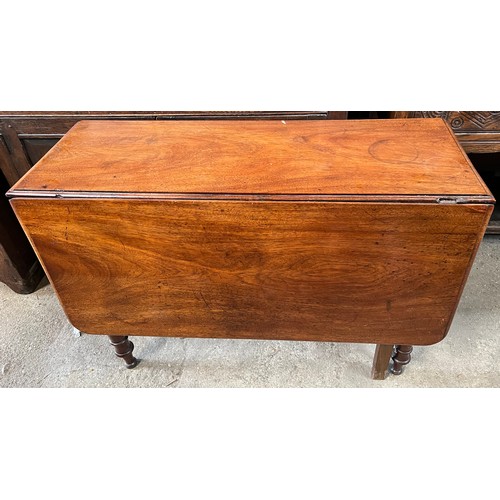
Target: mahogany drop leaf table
338	231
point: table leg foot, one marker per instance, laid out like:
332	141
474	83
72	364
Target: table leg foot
381	361
123	349
401	357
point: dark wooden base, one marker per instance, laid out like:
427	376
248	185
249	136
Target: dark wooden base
22	284
381	361
401	357
19	267
123	349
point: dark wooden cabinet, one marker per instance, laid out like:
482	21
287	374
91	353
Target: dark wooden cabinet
19	266
26	136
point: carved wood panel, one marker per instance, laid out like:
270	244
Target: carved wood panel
463	121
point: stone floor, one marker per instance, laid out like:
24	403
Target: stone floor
38	349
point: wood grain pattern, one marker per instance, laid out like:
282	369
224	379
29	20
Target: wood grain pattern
480	143
30	124
25	136
477	131
349	272
15	147
365	157
381	360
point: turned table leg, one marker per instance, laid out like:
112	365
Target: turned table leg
123	349
381	361
402	356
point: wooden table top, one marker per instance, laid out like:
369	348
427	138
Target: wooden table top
407	160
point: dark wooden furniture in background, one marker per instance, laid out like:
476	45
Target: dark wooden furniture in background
479	135
19	267
26	136
348	231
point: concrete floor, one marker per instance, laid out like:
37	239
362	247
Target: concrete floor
38	349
